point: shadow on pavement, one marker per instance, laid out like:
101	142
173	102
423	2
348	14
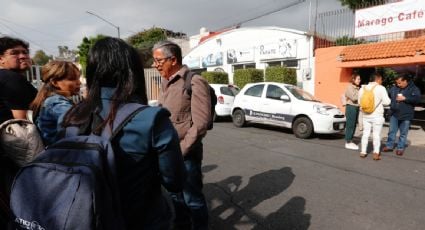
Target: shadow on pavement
232	207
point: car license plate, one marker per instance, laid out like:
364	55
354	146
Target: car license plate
341	126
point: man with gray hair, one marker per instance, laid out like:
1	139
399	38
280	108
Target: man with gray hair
190	115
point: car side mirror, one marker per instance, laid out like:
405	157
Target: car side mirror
285	98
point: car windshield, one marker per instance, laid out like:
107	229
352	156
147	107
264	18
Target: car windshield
301	94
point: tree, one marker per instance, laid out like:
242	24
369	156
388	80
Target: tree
144	41
345	41
65	54
84	47
41	58
357	4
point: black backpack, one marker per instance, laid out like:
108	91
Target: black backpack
188	87
73	184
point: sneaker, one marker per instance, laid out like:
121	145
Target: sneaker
351	146
363	155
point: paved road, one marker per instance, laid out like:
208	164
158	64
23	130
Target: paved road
265	178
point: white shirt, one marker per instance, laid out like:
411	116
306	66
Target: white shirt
381	99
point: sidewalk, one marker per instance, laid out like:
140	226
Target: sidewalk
415	137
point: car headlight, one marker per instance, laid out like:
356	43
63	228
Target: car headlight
321	109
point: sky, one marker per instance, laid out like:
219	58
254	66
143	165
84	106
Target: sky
47	24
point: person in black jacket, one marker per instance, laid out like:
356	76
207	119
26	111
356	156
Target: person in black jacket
404	95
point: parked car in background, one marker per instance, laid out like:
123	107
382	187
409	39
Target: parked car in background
225	97
286	106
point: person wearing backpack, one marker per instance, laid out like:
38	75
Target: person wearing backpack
191	116
147	149
372	99
61	81
404	96
352	111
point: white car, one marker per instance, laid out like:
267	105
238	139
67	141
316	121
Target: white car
286	106
225	97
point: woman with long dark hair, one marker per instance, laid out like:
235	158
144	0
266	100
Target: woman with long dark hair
147	148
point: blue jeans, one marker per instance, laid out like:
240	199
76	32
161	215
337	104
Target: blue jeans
395	125
191	211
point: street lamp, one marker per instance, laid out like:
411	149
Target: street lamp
110	23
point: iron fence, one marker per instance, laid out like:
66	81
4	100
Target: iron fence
336	28
152	79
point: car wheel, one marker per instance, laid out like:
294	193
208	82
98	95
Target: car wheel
238	118
302	128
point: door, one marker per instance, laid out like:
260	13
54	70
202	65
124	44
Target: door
251	102
276	110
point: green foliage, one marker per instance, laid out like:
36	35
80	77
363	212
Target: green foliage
357	4
281	74
345	41
41	58
216	77
84	47
147	38
388	76
242	77
144	41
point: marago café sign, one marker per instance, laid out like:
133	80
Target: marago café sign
395	17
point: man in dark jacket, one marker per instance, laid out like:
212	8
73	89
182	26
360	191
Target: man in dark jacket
404	95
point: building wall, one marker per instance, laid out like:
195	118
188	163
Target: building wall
330	80
258	45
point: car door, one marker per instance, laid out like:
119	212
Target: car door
251	102
276	110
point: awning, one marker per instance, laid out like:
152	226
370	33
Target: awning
403	52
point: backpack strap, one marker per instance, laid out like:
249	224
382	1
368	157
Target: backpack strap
188	82
123	116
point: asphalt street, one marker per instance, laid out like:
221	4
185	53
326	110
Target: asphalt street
258	177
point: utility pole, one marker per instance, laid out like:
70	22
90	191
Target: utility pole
110	23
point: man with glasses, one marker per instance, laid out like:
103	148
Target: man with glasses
16	93
190	115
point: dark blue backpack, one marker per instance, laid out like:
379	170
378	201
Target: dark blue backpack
72	184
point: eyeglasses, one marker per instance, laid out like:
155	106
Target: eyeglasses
160	61
17	52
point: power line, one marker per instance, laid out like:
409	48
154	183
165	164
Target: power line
267	13
27	27
24	37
